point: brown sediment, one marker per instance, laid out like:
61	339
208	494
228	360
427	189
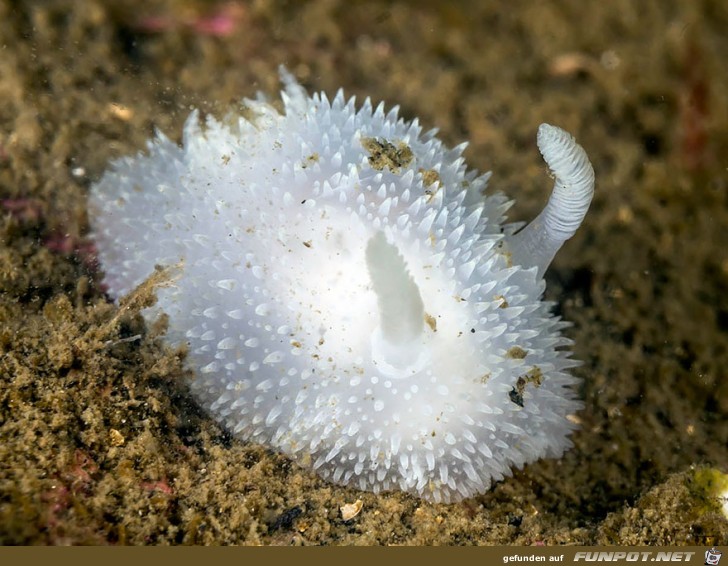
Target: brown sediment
384	154
99	440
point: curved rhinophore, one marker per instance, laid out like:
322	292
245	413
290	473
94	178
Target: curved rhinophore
537	243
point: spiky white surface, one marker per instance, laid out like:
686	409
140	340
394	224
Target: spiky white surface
270	218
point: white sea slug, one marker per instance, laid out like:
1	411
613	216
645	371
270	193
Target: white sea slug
348	294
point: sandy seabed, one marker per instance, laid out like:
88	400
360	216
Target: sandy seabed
101	443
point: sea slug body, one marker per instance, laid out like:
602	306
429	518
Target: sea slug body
348	294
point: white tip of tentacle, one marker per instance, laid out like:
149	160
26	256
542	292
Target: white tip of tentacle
537	244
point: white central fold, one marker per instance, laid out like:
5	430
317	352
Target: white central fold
401	310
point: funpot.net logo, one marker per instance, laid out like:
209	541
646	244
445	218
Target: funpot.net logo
635	556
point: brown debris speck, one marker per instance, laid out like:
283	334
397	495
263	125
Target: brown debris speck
516	353
384	154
